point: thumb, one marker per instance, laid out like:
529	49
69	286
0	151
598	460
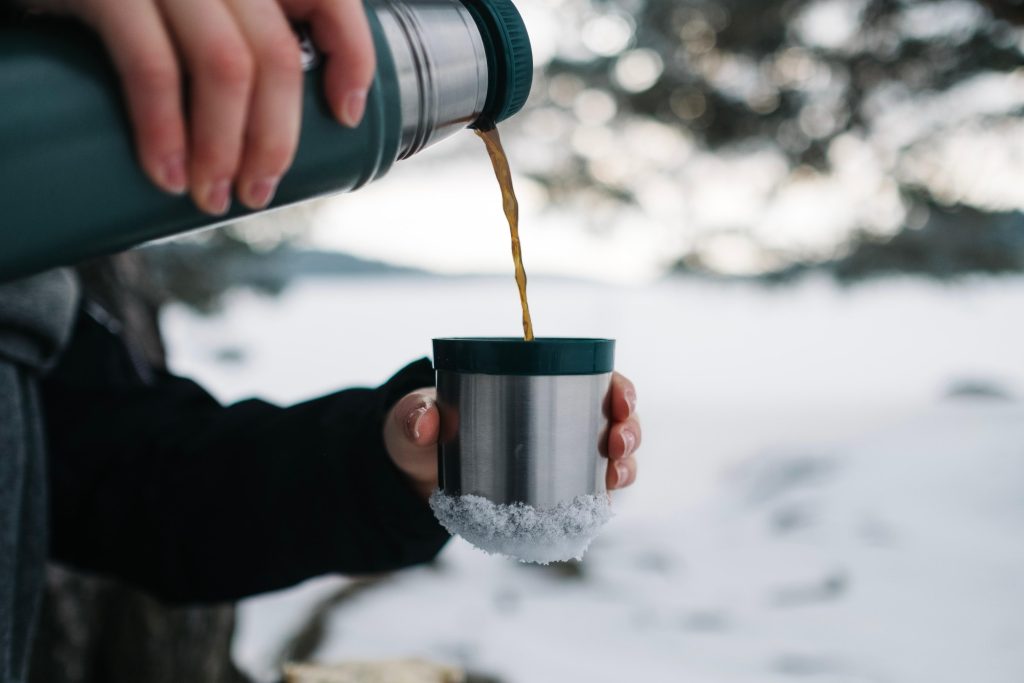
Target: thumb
417	419
410	435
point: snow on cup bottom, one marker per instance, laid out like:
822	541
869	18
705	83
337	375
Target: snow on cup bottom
523	531
520	471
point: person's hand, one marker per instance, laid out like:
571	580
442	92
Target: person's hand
412	427
242	64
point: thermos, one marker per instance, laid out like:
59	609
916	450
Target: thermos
522	421
70	184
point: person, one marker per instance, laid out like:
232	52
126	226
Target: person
133	472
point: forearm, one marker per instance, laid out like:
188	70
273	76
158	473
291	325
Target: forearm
167	489
9	11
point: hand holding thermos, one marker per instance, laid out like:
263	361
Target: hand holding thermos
242	64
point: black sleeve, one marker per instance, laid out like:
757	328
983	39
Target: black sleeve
158	484
10	10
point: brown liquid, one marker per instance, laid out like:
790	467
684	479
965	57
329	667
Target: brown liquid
508	201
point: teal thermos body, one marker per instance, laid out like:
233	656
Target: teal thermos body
71	187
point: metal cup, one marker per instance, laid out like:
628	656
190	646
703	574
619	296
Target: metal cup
522	421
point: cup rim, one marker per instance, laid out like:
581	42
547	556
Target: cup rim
520	340
516	356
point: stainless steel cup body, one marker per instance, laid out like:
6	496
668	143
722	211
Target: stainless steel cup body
517	437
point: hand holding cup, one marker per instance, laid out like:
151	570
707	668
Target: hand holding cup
413	427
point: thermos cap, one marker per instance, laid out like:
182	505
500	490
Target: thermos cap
514	356
509	58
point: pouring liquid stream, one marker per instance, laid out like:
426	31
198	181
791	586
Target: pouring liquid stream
511	206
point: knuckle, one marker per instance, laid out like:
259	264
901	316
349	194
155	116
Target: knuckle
366	73
156	133
275	150
281	56
152	72
215	160
228	63
275	155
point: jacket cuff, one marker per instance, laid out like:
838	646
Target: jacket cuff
404	518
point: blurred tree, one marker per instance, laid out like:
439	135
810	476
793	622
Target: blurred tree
797	77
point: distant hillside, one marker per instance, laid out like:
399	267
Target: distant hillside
954	241
198	273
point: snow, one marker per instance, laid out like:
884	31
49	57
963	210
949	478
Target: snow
811	505
521	531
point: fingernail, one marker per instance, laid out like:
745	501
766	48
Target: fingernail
623	473
631	400
262	191
412	423
173	172
353	107
218	197
628	442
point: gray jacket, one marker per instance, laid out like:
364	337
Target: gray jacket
36	316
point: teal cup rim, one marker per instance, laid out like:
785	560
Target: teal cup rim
516	356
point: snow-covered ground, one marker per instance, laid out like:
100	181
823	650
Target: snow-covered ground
811	505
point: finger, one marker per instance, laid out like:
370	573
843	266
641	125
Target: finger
275	110
620	473
623	439
622	398
221	69
341	31
143	55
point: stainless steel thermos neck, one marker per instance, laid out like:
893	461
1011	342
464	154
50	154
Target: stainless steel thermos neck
71	187
441	66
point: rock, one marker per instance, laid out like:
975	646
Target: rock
398	671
